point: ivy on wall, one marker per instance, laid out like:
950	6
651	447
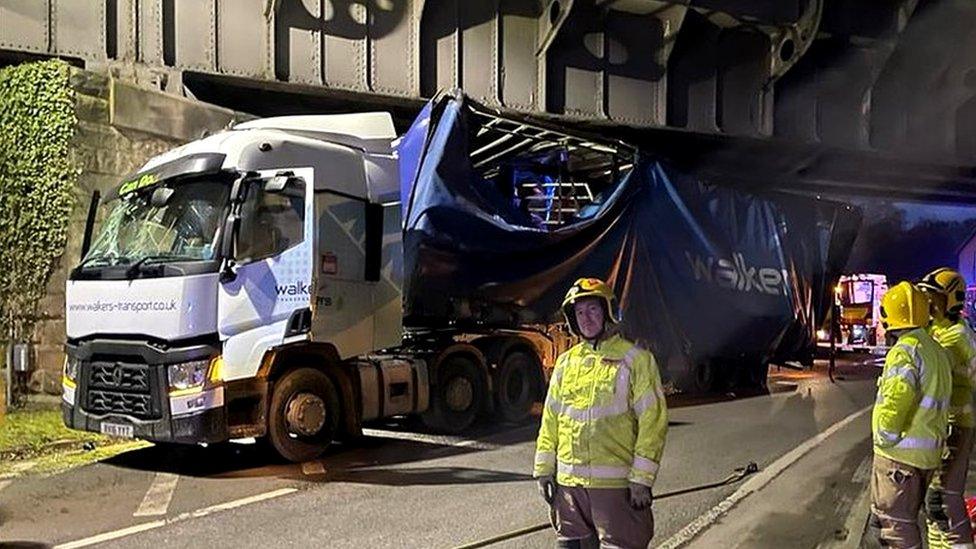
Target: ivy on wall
37	178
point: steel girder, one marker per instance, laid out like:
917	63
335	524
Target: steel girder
883	76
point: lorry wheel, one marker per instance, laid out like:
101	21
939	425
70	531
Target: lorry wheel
458	396
514	384
761	377
304	415
752	375
701	378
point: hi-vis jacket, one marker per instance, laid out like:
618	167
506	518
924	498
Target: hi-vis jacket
605	419
911	415
957	339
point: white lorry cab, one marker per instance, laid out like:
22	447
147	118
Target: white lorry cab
248	284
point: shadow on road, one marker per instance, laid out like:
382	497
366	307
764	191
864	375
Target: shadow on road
423	476
404	441
233	460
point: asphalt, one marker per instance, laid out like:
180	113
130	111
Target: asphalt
443	492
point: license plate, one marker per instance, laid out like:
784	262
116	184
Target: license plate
117	430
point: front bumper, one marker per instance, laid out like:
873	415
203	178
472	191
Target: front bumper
138	396
206	426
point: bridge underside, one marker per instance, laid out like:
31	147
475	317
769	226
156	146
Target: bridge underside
874	98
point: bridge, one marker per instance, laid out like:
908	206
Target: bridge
811	95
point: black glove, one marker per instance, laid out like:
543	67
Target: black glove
547	488
641	496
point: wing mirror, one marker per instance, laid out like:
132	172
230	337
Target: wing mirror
231	227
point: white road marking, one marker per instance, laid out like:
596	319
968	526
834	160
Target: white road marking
313	468
160	493
116	534
755	483
439	440
863	471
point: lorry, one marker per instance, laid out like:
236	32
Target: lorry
858	298
294	277
249	284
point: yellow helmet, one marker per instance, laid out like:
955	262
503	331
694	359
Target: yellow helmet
589	287
904	306
949	283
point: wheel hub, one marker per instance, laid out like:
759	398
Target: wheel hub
459	394
305	414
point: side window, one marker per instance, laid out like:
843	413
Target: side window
271	222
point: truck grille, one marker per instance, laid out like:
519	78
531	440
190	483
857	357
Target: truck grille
127	377
121	388
102	402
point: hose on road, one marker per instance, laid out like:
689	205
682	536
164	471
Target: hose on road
737	475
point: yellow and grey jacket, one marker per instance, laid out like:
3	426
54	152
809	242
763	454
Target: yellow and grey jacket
957	338
911	415
605	420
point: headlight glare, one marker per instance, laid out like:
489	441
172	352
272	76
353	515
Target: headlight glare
71	366
187	375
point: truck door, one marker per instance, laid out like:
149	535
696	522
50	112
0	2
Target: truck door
273	262
358	306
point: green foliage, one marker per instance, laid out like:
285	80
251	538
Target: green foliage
25	433
37	177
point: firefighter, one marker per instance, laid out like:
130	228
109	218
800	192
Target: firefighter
910	416
603	429
948	522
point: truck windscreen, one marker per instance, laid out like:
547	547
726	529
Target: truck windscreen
168	222
861	292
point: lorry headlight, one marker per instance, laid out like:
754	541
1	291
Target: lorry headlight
71	366
188	375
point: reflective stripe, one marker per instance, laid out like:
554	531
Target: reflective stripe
888	436
553	403
915	443
593	471
916	359
930	403
545	458
630	355
645	465
619	404
905	372
645	402
891	518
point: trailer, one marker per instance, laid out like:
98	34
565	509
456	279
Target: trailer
504	212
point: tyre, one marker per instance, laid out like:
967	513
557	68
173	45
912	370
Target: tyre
304	414
515	386
753	375
458	396
700	378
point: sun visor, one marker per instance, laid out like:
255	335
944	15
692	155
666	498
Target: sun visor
192	164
